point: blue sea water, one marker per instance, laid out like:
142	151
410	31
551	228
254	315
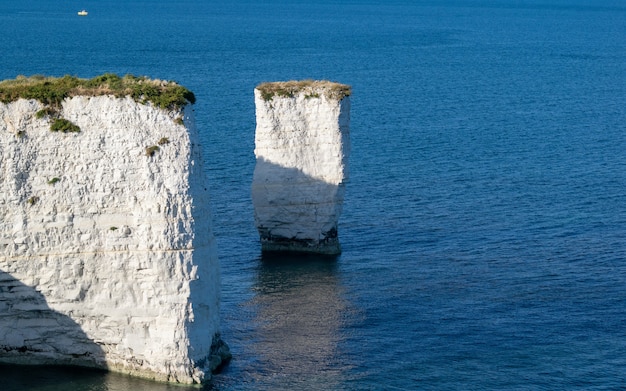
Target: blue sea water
484	225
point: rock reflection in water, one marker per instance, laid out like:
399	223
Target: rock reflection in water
300	315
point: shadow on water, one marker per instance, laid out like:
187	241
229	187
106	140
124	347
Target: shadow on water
300	314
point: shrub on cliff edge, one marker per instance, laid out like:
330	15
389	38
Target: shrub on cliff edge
52	91
311	89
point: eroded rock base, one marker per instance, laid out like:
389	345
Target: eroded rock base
328	246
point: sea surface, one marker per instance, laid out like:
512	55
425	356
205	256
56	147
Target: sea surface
484	225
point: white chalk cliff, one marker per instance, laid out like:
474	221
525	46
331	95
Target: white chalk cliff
302	145
107	256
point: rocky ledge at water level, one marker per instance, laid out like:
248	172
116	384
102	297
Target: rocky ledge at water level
107	256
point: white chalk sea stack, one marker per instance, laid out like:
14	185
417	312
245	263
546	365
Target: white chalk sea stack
302	144
107	255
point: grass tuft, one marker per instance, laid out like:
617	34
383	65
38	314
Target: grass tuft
64	125
150	151
46	112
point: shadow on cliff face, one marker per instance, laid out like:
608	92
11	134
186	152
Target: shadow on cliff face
294	211
33	333
53	351
300	314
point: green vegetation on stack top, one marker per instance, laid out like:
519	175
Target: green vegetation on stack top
311	89
52	91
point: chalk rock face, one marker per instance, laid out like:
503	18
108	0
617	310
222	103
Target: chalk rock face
107	256
302	145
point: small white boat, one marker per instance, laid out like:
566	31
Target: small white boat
82	13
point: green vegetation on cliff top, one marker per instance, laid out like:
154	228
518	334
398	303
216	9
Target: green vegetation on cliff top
52	91
311	89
